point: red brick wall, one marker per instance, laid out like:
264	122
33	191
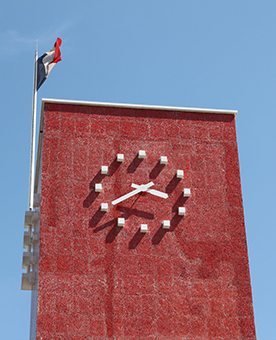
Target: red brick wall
100	281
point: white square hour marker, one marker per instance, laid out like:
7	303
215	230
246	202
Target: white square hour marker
144	228
104	206
181	211
186	192
141	154
120	157
104	170
121	222
180	174
98	187
163	160
166	224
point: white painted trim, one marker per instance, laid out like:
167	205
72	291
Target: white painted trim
137	106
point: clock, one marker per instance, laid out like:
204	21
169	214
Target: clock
138	192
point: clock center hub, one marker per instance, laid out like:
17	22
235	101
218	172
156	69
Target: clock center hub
144	187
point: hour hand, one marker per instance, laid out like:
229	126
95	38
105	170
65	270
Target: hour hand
138	189
153	191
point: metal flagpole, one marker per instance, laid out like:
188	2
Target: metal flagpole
32	157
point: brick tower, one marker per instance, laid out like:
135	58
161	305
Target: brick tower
139	228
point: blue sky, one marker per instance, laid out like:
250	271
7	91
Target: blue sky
206	54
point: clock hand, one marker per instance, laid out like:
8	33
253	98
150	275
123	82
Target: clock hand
122	198
153	191
157	193
139	188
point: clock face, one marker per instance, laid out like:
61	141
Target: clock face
141	189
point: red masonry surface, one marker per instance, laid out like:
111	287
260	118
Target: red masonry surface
100	281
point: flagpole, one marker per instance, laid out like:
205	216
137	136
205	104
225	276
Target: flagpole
33	135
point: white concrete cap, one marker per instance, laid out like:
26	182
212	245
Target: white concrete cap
120	157
144	228
98	187
163	160
104	206
121	222
186	192
180	174
141	154
104	170
181	211
166	224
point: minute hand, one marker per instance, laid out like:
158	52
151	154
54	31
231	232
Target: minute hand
140	188
153	191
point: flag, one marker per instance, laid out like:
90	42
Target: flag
46	63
